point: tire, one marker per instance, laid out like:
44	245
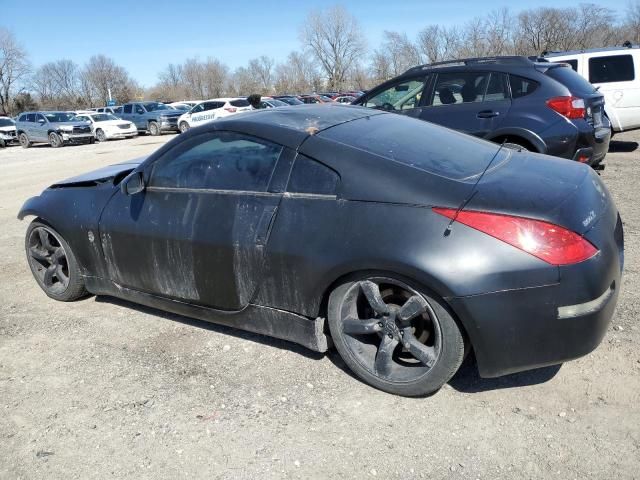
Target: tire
184	126
2	143
24	140
92	140
395	336
515	146
55	140
53	263
100	135
154	129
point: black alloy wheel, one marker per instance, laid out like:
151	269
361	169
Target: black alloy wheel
395	337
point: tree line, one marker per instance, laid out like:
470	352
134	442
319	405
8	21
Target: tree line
333	54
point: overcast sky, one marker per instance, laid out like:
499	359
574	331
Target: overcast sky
145	35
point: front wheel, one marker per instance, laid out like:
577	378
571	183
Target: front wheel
184	126
101	136
154	129
394	336
53	264
55	140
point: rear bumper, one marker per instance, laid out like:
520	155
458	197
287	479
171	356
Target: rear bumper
578	140
528	328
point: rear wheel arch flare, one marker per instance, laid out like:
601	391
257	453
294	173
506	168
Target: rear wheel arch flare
518	140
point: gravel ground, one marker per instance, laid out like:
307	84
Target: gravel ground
102	388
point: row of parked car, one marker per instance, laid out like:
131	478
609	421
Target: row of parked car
563	104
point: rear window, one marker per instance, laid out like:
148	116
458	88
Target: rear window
570	79
239	103
418	144
616	68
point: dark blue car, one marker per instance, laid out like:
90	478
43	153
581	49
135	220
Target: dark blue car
527	104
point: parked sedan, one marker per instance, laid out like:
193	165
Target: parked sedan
7	131
108	127
404	242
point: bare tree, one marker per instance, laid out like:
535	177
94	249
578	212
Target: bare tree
631	24
58	85
438	43
262	71
14	67
101	75
400	52
297	75
334	38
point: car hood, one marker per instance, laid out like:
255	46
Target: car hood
7	129
101	175
69	124
169	113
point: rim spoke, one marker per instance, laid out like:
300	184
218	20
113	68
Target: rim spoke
48	275
372	292
413	307
44	239
60	275
357	326
384	358
37	254
420	351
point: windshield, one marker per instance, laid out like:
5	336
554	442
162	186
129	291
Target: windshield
151	106
277	103
291	100
55	117
103	117
6	122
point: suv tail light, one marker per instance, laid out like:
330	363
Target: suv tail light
570	107
230	109
553	244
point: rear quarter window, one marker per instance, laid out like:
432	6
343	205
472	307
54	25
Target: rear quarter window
239	103
521	86
570	79
615	68
312	177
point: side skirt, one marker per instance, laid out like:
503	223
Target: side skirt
254	318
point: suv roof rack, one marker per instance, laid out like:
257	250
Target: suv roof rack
552	53
500	60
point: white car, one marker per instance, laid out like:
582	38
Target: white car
210	110
184	105
106	126
616	73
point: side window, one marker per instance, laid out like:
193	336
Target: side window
573	63
521	86
198	108
616	68
497	88
139	110
117	111
309	176
127	109
31	117
462	87
40	118
23	117
218	161
401	96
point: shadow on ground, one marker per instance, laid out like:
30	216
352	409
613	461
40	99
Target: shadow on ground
466	380
620	146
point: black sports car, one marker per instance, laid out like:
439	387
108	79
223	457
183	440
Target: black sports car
403	242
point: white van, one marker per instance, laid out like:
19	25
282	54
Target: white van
616	73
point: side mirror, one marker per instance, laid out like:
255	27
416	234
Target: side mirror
132	184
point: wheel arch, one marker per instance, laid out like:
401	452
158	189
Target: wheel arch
518	135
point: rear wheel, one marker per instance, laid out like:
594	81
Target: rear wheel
53	264
24	140
154	129
394	336
55	140
515	146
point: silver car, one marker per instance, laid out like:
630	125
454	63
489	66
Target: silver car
55	128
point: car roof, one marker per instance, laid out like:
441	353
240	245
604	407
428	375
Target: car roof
591	50
290	125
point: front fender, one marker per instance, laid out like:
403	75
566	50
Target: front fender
34	206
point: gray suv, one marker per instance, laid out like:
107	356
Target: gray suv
54	128
152	117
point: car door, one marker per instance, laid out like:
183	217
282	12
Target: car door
197	232
404	96
40	128
471	102
138	116
127	111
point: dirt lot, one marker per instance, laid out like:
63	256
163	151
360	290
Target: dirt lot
105	389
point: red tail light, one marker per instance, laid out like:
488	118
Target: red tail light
230	109
570	107
553	244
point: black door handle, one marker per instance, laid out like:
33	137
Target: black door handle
487	114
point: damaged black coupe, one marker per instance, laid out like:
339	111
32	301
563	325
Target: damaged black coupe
402	243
